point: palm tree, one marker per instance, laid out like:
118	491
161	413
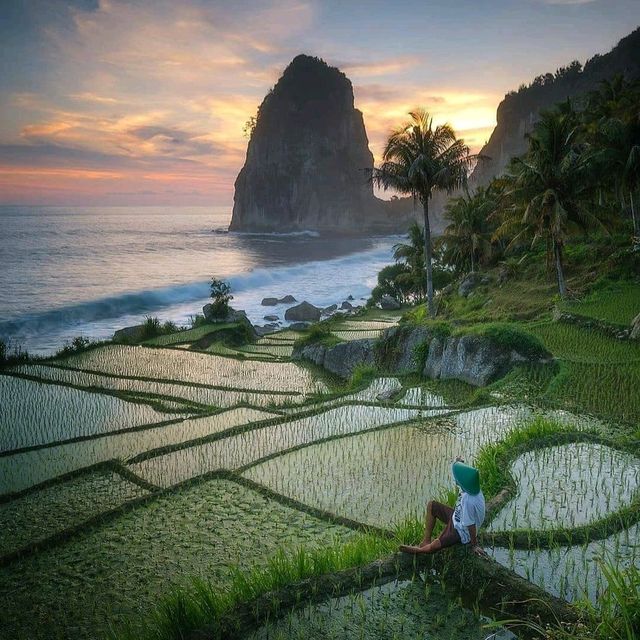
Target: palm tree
617	155
547	187
418	159
411	254
468	239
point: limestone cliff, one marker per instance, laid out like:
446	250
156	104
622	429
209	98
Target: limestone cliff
518	112
307	160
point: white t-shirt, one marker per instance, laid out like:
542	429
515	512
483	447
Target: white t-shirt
469	510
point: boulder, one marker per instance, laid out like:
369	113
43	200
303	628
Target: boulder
469	283
350	297
330	309
473	359
303	312
346	305
129	334
269	302
233	315
271	318
287	300
397	350
340	359
389	302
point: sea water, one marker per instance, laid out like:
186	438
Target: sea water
69	271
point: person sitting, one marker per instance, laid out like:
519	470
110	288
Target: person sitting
463	522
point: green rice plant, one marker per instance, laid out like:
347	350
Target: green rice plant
37	414
123	567
188	335
579	344
492	460
19	471
614	302
615	615
199	368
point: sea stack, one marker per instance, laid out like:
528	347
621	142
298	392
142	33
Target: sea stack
307	159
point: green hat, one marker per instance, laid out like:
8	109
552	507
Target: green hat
466	477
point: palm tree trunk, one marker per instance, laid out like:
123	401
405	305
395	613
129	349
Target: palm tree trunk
557	252
636	224
428	257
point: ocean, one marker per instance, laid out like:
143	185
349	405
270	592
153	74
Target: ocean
70	271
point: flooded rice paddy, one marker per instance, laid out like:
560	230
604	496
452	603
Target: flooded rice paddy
117	493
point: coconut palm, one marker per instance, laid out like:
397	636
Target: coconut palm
617	156
467	239
411	254
547	188
419	159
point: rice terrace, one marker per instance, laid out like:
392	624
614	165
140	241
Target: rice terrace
391	392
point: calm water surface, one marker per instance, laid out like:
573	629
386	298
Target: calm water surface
67	271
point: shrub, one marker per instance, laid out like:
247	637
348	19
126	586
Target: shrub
221	296
319	333
362	375
509	336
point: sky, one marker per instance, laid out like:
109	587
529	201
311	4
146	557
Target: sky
143	102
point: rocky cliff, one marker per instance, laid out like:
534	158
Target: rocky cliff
476	358
307	160
518	112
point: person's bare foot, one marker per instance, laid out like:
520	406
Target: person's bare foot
409	549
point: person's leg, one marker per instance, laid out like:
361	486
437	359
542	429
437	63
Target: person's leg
435	510
429	521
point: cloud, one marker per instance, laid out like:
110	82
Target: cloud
566	2
386	66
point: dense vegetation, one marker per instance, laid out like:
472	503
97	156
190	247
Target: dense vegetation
576	187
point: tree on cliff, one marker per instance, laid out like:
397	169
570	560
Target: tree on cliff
419	159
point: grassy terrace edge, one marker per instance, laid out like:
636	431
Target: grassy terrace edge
202	612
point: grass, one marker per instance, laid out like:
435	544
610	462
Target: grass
510	336
203	605
597	374
616	616
188	335
613	302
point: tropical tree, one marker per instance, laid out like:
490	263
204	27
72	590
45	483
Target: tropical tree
419	159
617	157
467	239
411	254
547	188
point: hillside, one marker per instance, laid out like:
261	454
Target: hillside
519	110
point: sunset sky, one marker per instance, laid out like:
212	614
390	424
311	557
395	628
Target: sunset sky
143	101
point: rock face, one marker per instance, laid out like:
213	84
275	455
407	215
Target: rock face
389	302
129	334
341	359
303	312
474	359
307	160
518	112
471	359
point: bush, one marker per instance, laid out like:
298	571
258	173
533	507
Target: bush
318	334
221	296
362	375
509	336
9	357
77	344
